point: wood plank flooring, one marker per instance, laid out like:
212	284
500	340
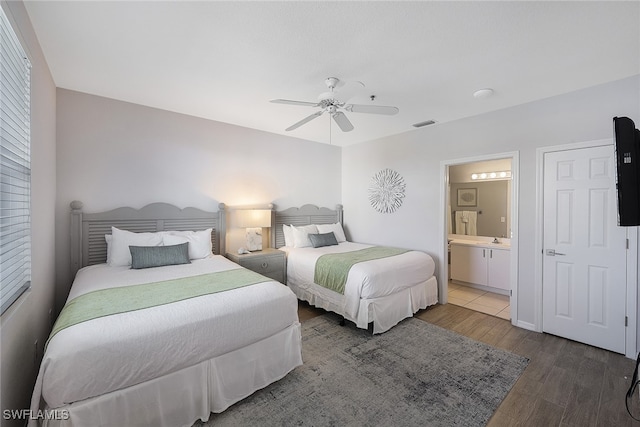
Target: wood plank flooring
566	384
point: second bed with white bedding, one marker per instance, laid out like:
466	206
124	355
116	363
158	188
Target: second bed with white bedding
381	291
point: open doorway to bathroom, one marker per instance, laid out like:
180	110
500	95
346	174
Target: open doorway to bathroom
480	202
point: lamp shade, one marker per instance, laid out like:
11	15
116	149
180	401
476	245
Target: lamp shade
246	218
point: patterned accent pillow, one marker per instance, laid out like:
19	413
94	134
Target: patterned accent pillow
159	256
326	239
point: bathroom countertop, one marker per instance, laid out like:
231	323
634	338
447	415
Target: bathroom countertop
481	244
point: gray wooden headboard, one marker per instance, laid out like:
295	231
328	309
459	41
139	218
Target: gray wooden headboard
305	215
89	247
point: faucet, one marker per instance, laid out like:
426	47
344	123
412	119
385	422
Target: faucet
495	240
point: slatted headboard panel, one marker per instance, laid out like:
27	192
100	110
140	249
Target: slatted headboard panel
89	247
305	215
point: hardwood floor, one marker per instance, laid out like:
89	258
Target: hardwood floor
566	383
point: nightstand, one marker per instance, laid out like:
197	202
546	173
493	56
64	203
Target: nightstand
268	262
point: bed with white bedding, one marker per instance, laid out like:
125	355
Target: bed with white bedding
382	290
172	362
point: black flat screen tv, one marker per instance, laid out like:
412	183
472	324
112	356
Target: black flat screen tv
627	143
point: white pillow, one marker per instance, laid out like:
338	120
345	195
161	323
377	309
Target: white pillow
301	235
288	235
335	228
122	239
199	242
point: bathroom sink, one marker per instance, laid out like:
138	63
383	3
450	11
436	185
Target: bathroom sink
505	245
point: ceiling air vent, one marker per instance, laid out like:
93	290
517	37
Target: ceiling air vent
425	123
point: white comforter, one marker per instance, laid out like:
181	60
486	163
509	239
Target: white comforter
114	352
366	280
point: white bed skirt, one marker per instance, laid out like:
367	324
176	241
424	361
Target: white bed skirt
180	398
385	312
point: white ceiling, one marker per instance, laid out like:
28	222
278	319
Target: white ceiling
225	60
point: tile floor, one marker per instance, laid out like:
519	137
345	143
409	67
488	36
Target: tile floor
478	300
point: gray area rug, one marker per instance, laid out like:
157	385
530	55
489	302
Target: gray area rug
416	374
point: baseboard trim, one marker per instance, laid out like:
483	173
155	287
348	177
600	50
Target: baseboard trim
526	325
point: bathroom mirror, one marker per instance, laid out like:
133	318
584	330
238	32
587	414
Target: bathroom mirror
480	198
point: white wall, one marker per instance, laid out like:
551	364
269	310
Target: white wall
112	153
27	320
583	115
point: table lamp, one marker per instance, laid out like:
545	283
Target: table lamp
253	220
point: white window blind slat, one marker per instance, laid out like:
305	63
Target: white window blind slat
12	170
11	152
15	166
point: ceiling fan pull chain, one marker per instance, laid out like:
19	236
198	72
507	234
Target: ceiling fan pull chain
330	133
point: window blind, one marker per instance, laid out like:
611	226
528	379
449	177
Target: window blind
15	166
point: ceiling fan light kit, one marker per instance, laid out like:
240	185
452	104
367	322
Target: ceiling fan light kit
330	103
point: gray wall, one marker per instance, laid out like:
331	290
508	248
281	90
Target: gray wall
583	115
112	153
27	320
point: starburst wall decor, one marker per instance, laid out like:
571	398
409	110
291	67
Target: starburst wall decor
386	191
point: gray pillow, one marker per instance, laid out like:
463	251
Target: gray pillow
158	256
326	239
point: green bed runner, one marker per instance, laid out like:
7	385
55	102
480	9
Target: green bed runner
106	302
332	269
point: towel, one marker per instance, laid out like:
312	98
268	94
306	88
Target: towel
466	223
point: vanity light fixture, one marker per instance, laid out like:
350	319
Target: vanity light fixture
479	176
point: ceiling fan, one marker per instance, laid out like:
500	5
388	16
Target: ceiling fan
329	102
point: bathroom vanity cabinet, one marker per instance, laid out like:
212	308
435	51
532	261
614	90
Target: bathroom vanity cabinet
485	264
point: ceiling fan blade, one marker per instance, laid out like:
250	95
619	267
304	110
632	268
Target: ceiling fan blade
342	121
305	120
290	102
371	109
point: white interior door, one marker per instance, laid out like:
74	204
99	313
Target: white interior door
584	260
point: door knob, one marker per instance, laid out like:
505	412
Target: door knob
552	252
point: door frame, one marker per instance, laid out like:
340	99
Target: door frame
631	254
443	286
